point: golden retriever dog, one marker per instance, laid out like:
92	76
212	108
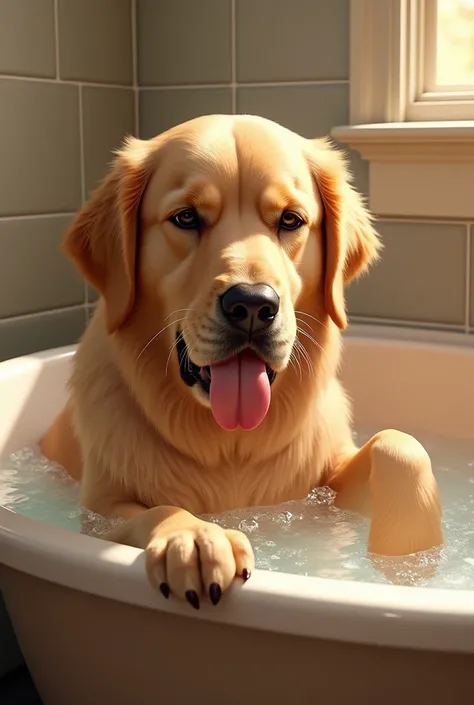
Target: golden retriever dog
207	379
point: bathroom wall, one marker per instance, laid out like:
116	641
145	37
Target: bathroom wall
67	96
76	75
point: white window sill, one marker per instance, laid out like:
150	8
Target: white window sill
420	169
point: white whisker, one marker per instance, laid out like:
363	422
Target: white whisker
303	313
310	337
180	310
189	356
157	334
315	342
172	347
304	323
293	359
305	355
298	357
182	356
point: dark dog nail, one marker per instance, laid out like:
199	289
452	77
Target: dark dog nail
165	590
192	598
246	574
215	593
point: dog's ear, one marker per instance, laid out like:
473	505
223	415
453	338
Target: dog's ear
351	243
102	240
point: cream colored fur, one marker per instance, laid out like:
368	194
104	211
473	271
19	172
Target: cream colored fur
147	446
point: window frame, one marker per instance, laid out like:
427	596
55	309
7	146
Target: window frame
393	50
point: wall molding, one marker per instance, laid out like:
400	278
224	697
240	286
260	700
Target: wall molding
417	169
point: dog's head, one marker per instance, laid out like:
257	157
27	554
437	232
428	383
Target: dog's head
225	245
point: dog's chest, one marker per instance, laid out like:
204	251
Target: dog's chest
231	484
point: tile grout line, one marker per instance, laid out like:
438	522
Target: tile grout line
81	147
184	86
56	39
272	84
66	82
36	216
233	56
395	322
420	221
135	68
82	168
468	278
39	314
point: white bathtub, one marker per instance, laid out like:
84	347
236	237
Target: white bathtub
93	631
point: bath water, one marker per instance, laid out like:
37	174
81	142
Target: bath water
307	537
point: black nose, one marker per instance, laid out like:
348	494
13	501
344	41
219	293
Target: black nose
250	307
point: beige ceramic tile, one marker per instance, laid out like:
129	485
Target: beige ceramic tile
22	336
184	42
34	274
312	111
39	148
95	40
162	109
108	115
27	41
421	277
300	40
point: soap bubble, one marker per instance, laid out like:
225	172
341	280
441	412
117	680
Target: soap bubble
307	537
248	525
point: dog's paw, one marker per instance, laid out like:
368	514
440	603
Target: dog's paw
197	558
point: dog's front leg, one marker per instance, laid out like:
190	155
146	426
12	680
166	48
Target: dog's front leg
390	479
185	555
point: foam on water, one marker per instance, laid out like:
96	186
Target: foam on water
34	487
307	537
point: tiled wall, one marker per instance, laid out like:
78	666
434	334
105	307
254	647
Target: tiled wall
285	60
67	96
76	75
424	278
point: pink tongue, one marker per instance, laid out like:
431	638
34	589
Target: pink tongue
240	392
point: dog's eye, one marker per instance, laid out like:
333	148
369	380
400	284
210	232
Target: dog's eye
290	221
186	219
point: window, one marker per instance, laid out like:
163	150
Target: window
412	104
440	60
454	60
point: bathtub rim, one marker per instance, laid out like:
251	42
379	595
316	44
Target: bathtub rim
365	613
